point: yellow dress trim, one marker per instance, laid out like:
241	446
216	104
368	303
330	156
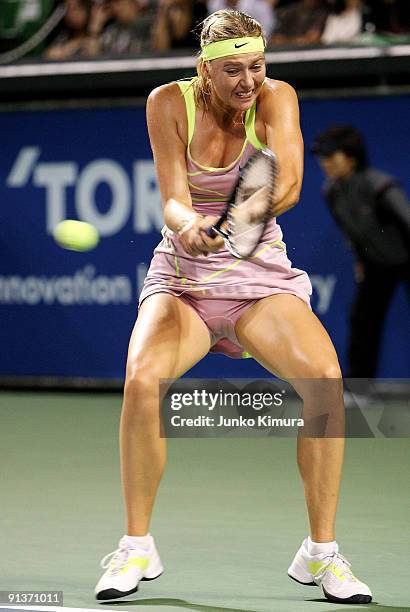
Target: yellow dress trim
188	93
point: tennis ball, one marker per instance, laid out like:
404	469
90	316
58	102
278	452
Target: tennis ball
76	235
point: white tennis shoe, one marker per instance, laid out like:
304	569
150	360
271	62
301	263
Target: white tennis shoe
332	573
126	567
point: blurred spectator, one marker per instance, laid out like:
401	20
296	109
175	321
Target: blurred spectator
176	23
388	16
261	10
372	210
70	41
120	27
344	21
300	23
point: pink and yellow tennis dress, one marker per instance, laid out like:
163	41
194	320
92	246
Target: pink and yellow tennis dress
219	287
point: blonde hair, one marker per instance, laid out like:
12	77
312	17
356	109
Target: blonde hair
221	25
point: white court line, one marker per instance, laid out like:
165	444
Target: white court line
55	608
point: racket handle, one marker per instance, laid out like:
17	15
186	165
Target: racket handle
211	232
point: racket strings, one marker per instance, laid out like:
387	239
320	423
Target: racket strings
252	207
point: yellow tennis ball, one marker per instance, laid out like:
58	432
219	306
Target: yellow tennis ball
76	235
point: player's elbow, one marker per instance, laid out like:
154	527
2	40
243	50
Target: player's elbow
287	201
293	195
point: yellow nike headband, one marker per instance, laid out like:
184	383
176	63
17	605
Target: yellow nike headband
232	46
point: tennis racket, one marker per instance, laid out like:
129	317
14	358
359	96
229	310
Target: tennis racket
249	208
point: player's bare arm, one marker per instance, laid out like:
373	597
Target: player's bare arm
279	111
163	105
166	119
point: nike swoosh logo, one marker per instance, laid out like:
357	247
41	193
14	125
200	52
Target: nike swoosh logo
238	46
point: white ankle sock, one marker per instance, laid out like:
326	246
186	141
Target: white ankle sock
139	541
320	548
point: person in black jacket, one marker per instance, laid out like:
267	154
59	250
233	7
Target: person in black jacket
373	211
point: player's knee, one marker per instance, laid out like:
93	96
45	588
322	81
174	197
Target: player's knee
320	380
142	380
331	371
141	396
324	371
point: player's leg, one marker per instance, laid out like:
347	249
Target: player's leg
168	339
283	334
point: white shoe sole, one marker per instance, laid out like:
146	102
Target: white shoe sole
354	599
300	582
107	594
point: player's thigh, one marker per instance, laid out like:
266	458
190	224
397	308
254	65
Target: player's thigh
168	339
286	337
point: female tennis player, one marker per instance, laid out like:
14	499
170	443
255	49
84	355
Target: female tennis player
198	298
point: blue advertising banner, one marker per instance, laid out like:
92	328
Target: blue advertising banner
70	314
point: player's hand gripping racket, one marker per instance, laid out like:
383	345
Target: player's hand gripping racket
249	208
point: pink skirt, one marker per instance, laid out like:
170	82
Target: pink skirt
220	287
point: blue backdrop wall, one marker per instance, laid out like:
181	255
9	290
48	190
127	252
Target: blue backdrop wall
70	314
